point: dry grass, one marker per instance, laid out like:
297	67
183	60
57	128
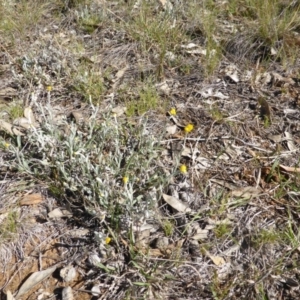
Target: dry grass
169	134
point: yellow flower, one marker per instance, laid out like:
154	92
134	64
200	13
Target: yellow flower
6	145
125	179
183	169
107	240
173	112
49	88
188	128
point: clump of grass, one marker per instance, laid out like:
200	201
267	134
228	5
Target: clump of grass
222	230
158	34
89	83
16	110
148	100
8	227
219	288
264	237
216	113
168	227
271	24
204	16
18	18
90	20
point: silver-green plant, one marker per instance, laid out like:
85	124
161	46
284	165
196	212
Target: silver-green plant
103	163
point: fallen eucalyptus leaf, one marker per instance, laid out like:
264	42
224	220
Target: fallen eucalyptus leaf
290	142
33	280
28	114
119	110
171	129
276	138
218	222
203	163
176	203
224	183
9	295
8	92
9	128
246	192
118	77
142	239
189	46
217	260
78	116
23	122
208	92
232	72
234	76
59	213
31	199
290	169
201	234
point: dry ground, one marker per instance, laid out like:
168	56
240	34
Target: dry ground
149	149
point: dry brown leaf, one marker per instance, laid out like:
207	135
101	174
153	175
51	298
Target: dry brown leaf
200	235
118	77
290	142
23	122
246	192
9	295
176	122
78	233
224	183
276	138
152	252
186	152
121	73
28	114
290	169
59	213
33	280
218	222
8	92
78	116
119	110
31	199
217	260
9	128
142	239
171	129
176	204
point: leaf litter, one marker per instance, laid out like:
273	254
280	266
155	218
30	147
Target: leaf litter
222	214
